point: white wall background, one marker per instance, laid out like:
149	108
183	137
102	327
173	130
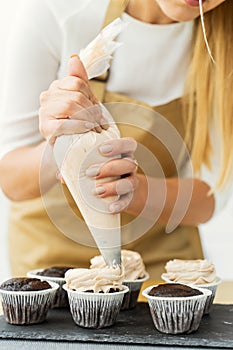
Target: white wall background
8	9
217	235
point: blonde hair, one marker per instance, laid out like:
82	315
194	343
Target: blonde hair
209	91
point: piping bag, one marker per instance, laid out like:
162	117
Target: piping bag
74	154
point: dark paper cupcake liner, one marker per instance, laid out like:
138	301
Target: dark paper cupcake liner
27	307
210	286
61	298
95	310
131	298
179	314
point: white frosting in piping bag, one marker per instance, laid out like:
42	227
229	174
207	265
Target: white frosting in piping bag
75	153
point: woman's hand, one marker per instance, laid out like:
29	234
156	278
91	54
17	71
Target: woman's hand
69	106
124	169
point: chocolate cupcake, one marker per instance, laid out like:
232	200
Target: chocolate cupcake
24	284
176	308
26	300
54	274
55	271
95	296
171	290
199	273
134	275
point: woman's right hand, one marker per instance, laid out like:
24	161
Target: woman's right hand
69	106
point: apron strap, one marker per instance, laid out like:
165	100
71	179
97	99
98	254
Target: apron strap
114	10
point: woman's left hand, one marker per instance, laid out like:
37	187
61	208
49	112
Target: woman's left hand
124	169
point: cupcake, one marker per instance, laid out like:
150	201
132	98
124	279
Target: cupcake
26	300
54	274
200	273
134	275
176	308
95	295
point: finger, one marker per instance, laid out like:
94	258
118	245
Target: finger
90	114
63	110
103	122
72	83
95	116
121	204
63	99
54	85
79	114
77	97
76	68
122	146
64	107
69	127
60	178
98	129
58	127
118	187
115	167
71	97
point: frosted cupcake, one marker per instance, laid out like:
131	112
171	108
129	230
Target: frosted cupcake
95	295
26	300
54	274
134	275
176	308
200	273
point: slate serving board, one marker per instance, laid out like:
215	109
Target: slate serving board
133	327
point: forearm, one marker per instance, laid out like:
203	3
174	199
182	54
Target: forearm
20	172
158	197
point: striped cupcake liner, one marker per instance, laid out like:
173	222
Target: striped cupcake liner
174	315
21	307
95	310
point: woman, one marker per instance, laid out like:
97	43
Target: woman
163	47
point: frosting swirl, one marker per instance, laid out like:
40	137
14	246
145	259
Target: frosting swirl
190	271
94	280
132	265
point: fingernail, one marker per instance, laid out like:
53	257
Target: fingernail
99	190
104	124
74	55
114	207
105	149
93	171
98	129
89	125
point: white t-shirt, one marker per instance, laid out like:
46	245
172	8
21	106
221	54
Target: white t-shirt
149	66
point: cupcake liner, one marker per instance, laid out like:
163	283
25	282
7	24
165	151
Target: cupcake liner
210	286
130	299
61	298
179	314
95	310
210	299
27	307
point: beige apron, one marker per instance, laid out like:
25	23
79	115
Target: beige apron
36	239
